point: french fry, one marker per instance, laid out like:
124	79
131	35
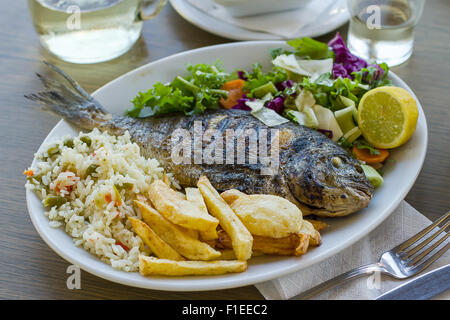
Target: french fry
314	235
257	254
264	214
141	198
193	233
241	238
194	195
167	181
293	245
228	254
316	239
177	210
158	246
273	217
231	195
177	237
318	225
303	244
154	266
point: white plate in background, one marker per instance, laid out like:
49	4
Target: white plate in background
333	18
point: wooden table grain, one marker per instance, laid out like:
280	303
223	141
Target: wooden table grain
29	269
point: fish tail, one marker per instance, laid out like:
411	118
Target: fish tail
69	101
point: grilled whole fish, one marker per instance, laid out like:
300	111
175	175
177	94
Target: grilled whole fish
315	173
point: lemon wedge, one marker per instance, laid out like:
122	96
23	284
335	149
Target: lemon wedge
387	116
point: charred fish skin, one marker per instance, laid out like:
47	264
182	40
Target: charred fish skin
314	172
317	174
154	136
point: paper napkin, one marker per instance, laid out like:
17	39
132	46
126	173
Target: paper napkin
403	223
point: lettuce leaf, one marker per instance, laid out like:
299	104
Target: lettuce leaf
308	48
277	52
159	100
326	91
199	91
256	78
204	75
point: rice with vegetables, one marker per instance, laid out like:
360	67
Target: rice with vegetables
87	185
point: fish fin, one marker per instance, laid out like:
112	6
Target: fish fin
72	82
69	101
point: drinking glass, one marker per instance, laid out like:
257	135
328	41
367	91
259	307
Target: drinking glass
90	31
383	30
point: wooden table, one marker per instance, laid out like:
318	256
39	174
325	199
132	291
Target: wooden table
31	270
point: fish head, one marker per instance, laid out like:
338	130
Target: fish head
327	181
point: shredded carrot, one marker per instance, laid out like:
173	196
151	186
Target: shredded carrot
233	84
122	245
235	92
108	198
365	155
29	173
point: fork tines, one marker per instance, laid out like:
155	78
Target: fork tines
419	246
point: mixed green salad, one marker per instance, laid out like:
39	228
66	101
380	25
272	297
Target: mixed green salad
314	84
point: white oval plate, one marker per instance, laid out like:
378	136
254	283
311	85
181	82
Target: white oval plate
343	232
335	16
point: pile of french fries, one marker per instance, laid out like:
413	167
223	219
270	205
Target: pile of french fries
202	232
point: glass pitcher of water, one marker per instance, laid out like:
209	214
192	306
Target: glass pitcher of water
89	31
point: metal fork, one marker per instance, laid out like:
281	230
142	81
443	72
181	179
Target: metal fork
401	262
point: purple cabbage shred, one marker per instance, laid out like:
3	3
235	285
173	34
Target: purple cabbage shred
241	75
344	58
339	71
241	103
276	104
281	86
